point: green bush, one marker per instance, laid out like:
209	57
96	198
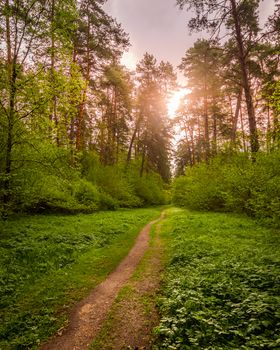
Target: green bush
150	189
49	179
107	202
233	183
86	193
121	185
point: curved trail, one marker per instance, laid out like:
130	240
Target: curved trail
88	316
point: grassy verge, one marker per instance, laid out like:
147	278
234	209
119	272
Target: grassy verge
222	284
49	262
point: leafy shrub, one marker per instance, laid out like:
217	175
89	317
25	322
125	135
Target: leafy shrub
107	202
233	184
150	189
86	193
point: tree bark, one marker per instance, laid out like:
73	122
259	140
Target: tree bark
235	118
254	141
11	77
53	116
80	127
206	124
128	158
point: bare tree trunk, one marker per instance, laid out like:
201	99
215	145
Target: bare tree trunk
128	158
268	131
54	116
243	132
80	127
235	118
206	124
72	120
215	134
143	161
12	77
276	129
254	141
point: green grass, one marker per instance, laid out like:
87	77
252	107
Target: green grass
222	283
49	262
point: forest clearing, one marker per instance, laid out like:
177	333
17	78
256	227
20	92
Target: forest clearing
206	278
139	174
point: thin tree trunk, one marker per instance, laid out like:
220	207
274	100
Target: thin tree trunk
80	128
243	132
72	120
254	141
143	161
276	129
268	131
206	124
235	119
12	77
128	158
54	116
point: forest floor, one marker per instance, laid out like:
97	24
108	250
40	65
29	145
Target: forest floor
87	318
187	279
48	263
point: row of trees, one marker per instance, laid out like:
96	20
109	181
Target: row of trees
64	93
229	154
233	98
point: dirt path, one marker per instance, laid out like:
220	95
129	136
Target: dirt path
133	316
88	316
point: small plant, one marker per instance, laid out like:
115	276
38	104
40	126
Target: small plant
222	286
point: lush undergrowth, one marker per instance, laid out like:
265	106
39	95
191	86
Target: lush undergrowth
233	183
49	262
222	285
52	183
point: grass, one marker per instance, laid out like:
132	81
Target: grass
47	263
222	284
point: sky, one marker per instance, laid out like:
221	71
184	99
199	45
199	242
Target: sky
159	27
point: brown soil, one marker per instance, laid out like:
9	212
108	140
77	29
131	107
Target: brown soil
134	315
87	317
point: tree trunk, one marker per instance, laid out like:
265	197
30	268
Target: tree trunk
235	119
80	127
206	125
128	158
143	161
254	141
243	132
276	129
53	115
11	77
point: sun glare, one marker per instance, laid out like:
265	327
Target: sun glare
174	102
129	60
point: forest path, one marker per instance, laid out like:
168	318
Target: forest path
133	316
87	318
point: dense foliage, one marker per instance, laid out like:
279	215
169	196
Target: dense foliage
49	262
232	99
221	290
64	98
233	183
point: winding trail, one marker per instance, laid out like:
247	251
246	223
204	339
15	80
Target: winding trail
87	317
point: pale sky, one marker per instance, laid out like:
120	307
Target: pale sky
159	27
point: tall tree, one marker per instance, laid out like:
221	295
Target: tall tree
155	82
241	19
98	41
22	26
